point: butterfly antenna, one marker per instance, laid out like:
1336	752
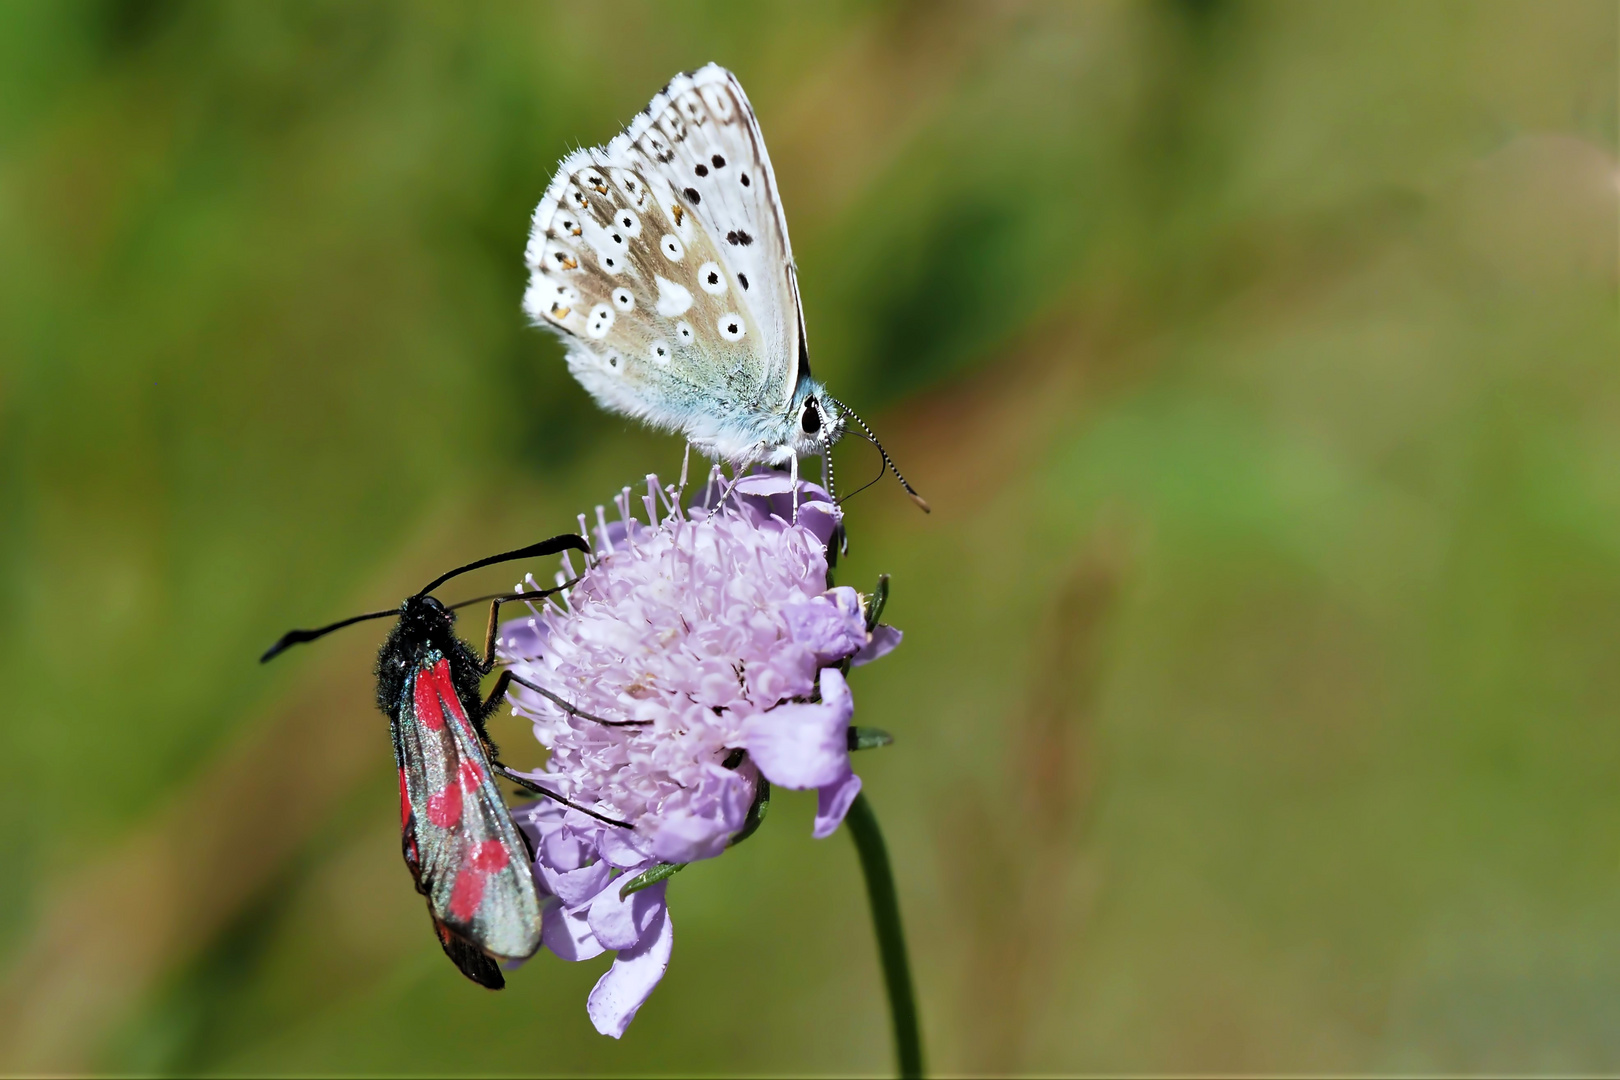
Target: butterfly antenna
887	460
553	546
827	473
298	637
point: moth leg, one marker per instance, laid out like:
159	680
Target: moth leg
529	785
487	709
487	664
573	710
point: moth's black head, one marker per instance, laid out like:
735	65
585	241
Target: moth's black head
424	625
424	618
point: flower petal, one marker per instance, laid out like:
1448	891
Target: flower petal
617	846
883	642
574	887
763	483
631	980
620	924
804	745
568	934
832	803
832	625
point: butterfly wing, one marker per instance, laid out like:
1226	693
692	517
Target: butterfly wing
459	839
663	260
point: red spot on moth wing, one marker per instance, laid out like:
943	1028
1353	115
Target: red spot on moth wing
444	806
429	707
467	894
490	856
470	775
439	677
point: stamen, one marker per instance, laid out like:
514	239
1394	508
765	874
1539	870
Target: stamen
651	500
601	524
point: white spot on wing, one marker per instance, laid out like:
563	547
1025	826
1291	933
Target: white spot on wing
673	299
712	279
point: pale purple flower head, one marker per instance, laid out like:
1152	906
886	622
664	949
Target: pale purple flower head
710	644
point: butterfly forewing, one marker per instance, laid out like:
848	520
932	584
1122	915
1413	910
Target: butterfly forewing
459	840
664	259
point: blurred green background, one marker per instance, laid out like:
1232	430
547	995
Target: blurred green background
1258	709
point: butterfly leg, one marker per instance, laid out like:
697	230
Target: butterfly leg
793	473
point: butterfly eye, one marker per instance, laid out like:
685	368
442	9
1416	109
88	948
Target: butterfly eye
623	300
811	420
730	326
712	280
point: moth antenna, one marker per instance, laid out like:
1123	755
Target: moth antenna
298	637
553	546
887	460
542	594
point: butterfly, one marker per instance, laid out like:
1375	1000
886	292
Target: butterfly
662	260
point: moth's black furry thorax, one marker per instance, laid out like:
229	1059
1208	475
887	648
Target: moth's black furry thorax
425	626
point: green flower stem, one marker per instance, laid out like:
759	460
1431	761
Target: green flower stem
891	938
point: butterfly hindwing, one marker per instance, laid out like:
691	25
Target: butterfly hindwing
460	842
663	259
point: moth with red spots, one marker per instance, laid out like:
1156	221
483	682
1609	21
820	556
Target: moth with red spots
468	857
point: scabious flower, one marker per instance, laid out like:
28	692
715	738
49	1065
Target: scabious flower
699	658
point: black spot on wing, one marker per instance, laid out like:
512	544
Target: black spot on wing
737	236
692	196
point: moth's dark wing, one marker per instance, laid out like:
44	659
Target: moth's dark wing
471	960
461	844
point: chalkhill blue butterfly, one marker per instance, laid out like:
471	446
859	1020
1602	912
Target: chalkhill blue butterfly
662	260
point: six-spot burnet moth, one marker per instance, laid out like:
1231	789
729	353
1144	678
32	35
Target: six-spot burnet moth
468	857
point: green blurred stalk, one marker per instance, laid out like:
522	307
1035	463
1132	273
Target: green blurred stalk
863	826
